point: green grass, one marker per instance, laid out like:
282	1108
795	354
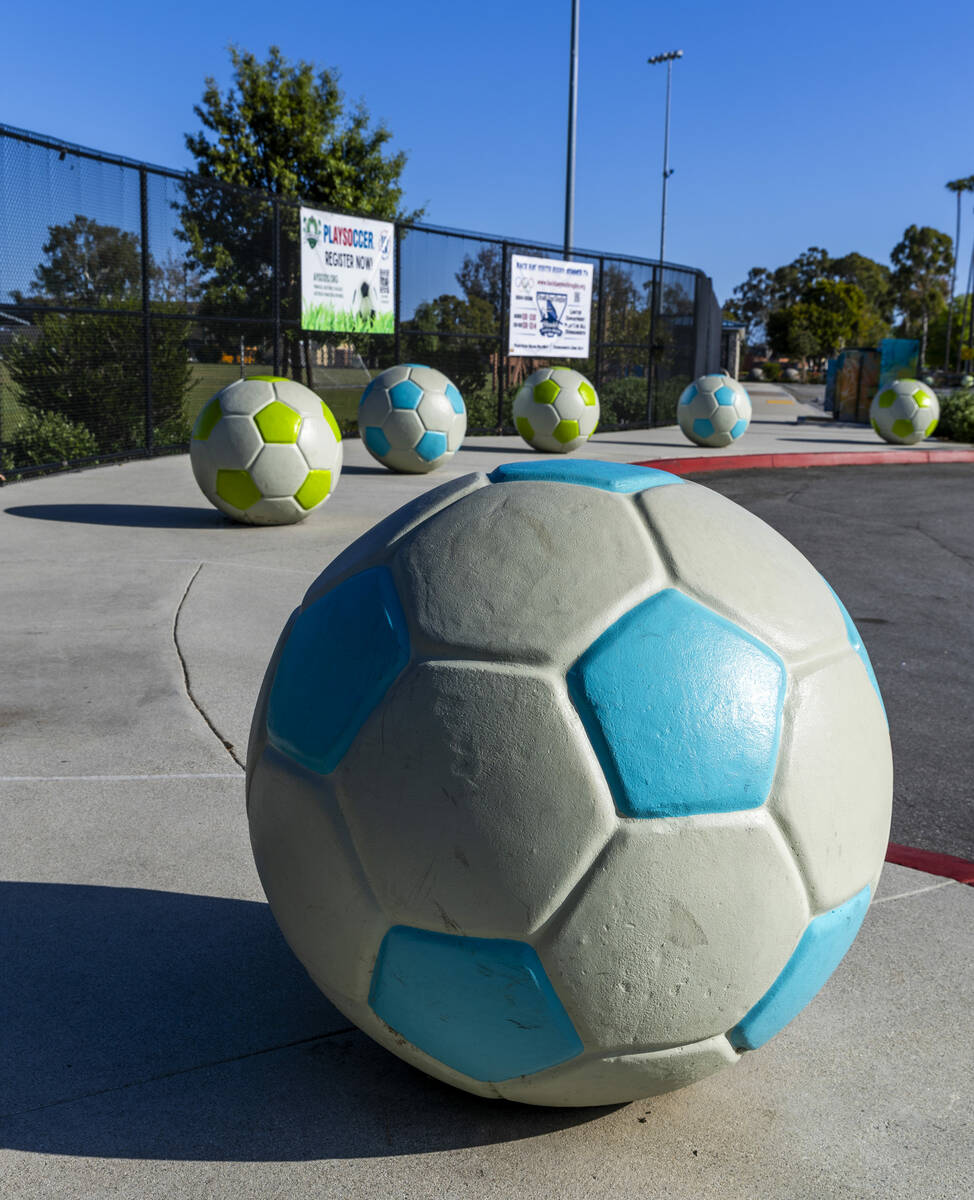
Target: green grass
210	377
12	412
325	318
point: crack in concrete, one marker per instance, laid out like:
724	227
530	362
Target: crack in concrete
204	1066
933	887
224	742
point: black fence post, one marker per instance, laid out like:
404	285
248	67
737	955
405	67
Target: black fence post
651	365
146	325
396	290
276	283
502	341
598	329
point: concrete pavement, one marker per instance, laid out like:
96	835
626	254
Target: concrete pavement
160	1040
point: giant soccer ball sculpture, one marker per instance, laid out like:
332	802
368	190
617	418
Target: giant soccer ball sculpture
556	410
266	451
411	418
714	410
570	784
905	413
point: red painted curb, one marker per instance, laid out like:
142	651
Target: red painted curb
945	865
818	458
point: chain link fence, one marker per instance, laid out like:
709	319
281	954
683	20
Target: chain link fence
129	294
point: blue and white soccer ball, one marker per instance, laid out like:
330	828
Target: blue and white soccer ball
714	410
411	418
561	834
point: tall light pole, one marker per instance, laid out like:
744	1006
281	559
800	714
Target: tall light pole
656	313
572	109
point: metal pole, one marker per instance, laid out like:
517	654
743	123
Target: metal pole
146	327
656	313
572	109
276	283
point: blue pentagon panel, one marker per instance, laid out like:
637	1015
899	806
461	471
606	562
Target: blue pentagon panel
823	946
456	400
724	394
739	428
376	440
405	394
689	394
483	1006
703	427
855	641
683	709
606	476
431	445
343	653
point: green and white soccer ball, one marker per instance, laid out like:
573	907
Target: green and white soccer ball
905	413
411	418
715	410
559	833
266	451
556	409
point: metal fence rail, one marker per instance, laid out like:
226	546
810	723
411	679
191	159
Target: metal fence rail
115	327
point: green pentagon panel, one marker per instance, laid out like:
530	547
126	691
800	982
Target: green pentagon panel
931	427
566	431
887	398
332	423
314	489
206	421
587	392
270	378
902	427
875	424
237	488
922	398
278	422
524	428
546	392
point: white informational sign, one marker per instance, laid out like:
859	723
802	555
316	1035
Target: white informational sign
347	273
551	308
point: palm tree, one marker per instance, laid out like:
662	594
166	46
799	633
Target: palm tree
959	187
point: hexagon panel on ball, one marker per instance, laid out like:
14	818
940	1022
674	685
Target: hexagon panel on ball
411	418
266	451
556	410
564	835
715	410
905	412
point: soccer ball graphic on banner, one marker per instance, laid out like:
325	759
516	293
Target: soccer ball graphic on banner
559	833
266	451
905	413
556	409
714	410
411	418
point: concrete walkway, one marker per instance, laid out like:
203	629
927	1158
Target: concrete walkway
159	1040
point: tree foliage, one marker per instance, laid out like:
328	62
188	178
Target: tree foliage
922	261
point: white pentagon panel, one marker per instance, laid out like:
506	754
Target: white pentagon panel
544	547
279	470
725	418
678	930
302	399
832	793
318	446
436	412
743	569
311	874
233	444
455	434
403	428
475	851
279	510
588	420
246	396
620	1078
702	405
429	379
374	408
373	546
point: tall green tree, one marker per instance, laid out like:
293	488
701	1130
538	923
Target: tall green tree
86	263
751	302
959	187
922	262
281	129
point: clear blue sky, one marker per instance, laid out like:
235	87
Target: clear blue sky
793	125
